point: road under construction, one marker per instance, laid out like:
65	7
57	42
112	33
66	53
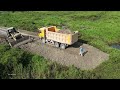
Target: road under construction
68	57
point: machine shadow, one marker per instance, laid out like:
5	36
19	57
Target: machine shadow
79	43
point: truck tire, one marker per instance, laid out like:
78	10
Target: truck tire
56	44
62	46
43	40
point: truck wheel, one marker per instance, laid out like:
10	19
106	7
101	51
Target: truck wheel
62	46
56	44
43	40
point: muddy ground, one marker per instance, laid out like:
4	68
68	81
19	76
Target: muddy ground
3	41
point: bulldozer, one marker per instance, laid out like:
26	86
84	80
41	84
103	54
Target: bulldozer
14	37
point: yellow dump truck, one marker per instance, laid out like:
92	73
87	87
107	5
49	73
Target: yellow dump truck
54	36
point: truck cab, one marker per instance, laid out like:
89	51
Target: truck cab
41	32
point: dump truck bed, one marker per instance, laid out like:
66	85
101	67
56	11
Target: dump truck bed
62	38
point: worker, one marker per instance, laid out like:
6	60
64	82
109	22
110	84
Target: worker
81	51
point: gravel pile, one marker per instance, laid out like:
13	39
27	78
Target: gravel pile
65	31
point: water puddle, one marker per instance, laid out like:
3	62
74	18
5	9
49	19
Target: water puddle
117	46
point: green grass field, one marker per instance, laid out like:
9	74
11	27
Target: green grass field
99	28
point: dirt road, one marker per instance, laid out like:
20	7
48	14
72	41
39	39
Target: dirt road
70	56
67	57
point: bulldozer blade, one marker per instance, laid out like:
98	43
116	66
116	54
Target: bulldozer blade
21	41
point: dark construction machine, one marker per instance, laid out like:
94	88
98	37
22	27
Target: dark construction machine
14	37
